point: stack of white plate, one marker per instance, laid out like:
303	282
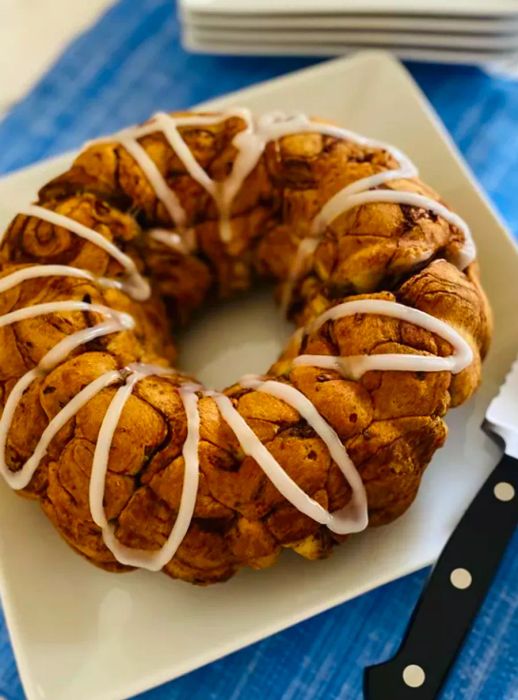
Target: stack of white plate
460	31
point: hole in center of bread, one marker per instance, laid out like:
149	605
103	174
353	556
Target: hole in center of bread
229	339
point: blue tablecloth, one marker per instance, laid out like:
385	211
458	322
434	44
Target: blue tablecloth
131	64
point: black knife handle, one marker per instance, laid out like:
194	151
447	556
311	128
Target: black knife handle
444	612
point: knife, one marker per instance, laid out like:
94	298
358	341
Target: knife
462	575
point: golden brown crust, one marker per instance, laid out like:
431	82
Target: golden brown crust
390	422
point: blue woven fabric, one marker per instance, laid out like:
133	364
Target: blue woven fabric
131	64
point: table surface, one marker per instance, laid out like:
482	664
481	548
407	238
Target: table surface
128	65
46	27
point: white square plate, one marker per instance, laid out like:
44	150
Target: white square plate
325	37
80	633
505	24
216	42
467	8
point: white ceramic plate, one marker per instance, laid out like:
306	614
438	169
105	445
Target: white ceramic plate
192	41
321	38
83	634
507	24
467	8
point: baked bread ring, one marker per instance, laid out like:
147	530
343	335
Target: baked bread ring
138	465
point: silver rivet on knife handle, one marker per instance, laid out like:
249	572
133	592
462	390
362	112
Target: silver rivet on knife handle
504	492
414	676
461	578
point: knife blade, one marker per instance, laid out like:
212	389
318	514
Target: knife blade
462	575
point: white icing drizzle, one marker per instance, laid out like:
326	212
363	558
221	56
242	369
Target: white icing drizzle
114	321
355	366
21	478
353	517
57	307
250	144
357	193
183	244
253	447
277	127
153	560
148	166
136	286
345	201
37	271
222	192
